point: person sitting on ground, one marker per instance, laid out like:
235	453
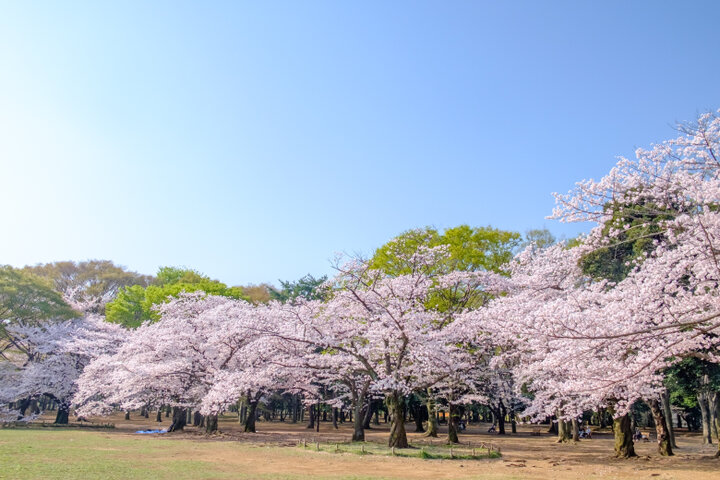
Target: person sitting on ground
491	429
588	432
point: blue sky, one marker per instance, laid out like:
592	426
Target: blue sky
251	141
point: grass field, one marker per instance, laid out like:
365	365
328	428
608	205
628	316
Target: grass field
277	452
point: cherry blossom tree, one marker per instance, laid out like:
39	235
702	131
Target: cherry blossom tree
387	332
174	361
57	354
581	342
671	295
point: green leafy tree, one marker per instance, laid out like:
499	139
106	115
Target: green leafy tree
307	287
626	250
134	305
27	300
471	249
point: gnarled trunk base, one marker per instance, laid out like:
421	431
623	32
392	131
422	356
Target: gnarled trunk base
396	406
249	426
179	419
624	446
211	423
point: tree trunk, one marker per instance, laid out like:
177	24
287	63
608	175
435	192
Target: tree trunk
368	414
601	417
249	426
624	447
705	413
665	401
158	417
501	419
554	425
197	419
295	408
179	419
23	405
715	407
513	422
432	423
63	413
453	422
358	423
317	418
661	429
335	417
242	414
211	423
418	417
396	408
564	430
713	404
575	430
311	414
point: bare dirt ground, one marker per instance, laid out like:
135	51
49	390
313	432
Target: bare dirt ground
525	454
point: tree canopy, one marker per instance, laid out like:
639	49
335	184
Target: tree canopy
134	304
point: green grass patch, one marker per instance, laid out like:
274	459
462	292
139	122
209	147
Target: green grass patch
73	453
428	452
84	426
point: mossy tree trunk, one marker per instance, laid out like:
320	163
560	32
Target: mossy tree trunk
358	423
575	430
369	410
624	446
396	408
249	425
564	430
432	423
211	423
715	405
704	404
667	412
661	429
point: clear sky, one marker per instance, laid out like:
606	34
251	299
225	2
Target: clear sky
251	141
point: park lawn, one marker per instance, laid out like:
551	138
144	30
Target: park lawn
72	454
58	453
